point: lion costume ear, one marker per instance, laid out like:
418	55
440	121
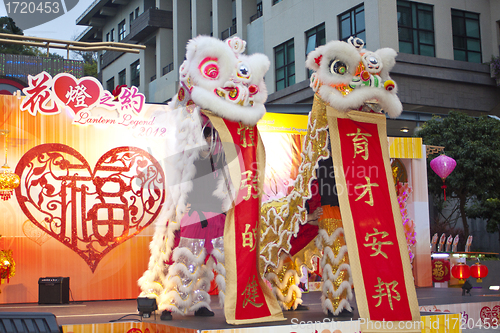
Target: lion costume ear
388	57
314	57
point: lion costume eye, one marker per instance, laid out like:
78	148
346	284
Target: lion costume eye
338	67
209	68
243	71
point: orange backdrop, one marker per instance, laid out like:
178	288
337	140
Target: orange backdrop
38	254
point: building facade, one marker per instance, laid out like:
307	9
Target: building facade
444	46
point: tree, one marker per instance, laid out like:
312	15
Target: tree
89	62
7	26
475	145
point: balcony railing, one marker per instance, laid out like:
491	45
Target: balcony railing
167	69
228	32
255	16
144	25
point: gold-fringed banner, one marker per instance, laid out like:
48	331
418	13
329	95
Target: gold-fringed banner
248	299
373	227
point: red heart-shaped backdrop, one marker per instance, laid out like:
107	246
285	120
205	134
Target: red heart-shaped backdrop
77	94
490	316
90	211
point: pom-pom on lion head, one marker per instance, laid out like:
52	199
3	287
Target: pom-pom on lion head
218	77
349	77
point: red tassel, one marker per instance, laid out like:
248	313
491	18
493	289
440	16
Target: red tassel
444	190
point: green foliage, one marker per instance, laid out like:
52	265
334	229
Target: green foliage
90	69
475	145
488	209
7	26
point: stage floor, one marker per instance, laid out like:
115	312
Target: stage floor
126	310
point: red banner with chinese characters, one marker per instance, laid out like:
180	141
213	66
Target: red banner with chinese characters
248	299
372	223
440	270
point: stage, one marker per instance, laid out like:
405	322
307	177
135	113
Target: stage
122	315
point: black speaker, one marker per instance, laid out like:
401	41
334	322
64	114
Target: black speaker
145	306
29	322
53	290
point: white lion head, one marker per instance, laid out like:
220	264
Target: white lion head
218	77
349	77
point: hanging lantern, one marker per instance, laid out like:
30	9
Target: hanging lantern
8	180
461	272
478	271
443	166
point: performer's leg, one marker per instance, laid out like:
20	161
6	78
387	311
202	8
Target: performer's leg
185	277
337	279
283	279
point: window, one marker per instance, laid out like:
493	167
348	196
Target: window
416	28
107	37
122	78
352	23
276	1
121	30
314	38
137	12
284	63
135	71
466	36
110	84
112	35
130	20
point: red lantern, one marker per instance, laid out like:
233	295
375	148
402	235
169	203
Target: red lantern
478	271
443	166
461	272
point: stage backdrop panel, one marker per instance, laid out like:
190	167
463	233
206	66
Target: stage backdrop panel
91	188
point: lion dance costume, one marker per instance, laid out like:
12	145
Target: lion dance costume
346	77
219	84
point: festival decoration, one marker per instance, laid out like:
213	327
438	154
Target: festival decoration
443	166
7	266
478	271
48	96
346	77
434	242
8	180
222	88
490	316
442	240
461	272
455	243
118	198
440	270
468	243
449	241
404	191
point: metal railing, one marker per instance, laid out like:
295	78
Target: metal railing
167	69
50	43
228	32
255	16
